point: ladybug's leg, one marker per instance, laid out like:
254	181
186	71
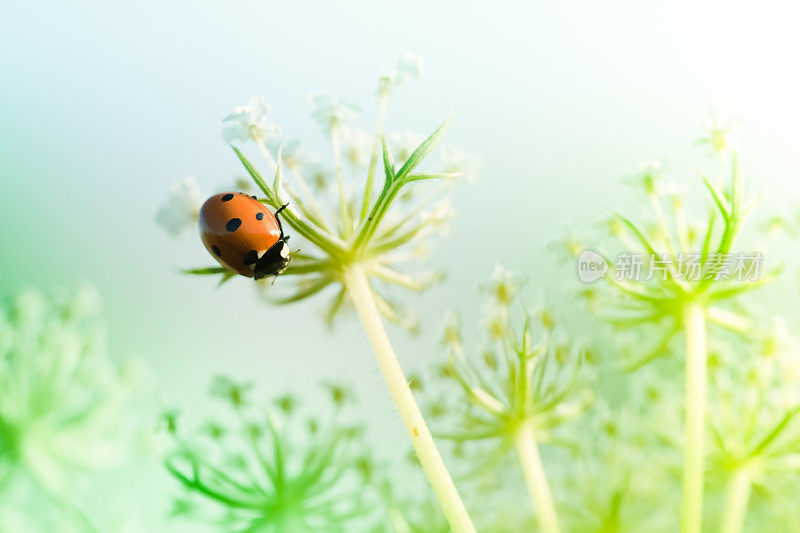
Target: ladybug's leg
278	212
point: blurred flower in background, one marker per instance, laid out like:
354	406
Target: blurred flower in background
62	400
273	467
180	211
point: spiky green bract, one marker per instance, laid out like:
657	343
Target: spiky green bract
372	241
694	274
525	382
272	468
754	416
622	469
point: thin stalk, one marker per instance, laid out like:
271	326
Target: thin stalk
357	284
535	478
69	509
692	496
738	497
383	104
336	145
267	156
304	188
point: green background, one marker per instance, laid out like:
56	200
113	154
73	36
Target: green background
103	105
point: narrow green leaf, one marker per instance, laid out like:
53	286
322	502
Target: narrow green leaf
639	235
205	271
718	197
421	177
226	277
423	149
311	288
255	174
388	164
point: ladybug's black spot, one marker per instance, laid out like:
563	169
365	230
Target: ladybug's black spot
227	197
260	216
215	250
233	224
253	197
251	257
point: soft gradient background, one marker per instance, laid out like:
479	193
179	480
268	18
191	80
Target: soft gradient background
103	104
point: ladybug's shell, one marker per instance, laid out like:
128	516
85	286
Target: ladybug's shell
234	228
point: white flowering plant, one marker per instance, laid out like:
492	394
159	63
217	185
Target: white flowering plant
65	408
606	439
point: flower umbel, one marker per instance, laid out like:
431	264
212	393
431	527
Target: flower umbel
358	240
62	400
271	469
675	302
516	391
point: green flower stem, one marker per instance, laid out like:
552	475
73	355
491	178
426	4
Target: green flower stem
692	496
357	284
738	496
533	470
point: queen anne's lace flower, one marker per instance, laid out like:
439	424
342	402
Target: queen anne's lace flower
267	469
409	68
330	112
404	143
181	208
250	122
356	144
458	161
62	401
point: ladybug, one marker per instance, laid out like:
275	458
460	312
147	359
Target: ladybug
241	233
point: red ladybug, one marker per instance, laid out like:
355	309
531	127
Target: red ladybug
241	233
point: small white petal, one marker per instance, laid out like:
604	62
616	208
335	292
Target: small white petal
182	206
238	131
259	109
409	68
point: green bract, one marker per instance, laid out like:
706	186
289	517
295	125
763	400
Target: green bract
363	225
272	468
663	299
516	391
361	236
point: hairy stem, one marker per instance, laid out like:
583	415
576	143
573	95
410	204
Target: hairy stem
358	288
692	496
535	478
738	496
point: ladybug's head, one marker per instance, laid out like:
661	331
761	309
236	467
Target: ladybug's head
274	261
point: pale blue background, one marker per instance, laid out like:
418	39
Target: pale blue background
103	104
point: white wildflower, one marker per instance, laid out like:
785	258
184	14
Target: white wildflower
671	188
438	219
330	112
722	130
403	144
408	69
356	147
457	161
182	206
250	122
